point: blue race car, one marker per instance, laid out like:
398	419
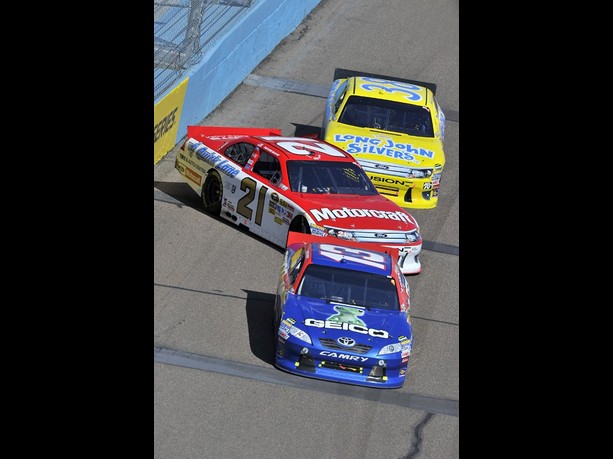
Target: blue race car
342	313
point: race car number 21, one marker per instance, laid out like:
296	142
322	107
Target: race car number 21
250	185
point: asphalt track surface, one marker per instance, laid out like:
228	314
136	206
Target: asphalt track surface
216	392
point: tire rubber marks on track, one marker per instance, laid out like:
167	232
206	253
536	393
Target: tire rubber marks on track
275	376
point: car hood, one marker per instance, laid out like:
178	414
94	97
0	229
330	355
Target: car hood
358	212
334	320
396	148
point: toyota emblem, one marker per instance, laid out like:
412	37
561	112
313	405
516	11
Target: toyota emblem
344	341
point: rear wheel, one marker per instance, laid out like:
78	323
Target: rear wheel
212	193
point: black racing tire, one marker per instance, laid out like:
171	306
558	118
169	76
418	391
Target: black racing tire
304	226
299	225
212	193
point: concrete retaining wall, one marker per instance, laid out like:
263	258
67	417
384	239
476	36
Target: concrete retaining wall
226	65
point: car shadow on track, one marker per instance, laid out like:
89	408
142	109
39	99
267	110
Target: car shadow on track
181	194
260	308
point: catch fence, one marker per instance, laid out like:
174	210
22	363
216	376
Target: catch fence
184	30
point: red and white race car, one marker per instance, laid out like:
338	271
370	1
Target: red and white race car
272	184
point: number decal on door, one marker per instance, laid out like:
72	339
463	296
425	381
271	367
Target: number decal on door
250	185
260	210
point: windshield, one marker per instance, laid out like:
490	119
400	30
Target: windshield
387	116
329	177
349	287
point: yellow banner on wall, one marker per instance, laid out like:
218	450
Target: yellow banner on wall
166	116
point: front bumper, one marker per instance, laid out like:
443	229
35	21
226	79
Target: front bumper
343	367
409	258
410	193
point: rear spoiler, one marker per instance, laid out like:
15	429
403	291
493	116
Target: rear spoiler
294	237
345	73
196	132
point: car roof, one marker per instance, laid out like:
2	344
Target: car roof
347	262
389	90
293	148
270	140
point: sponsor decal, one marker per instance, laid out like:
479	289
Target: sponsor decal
389	181
326	213
278	220
286	204
192	163
347	314
193	176
318	232
166	117
382	146
165	125
339	355
266	148
275	208
347	327
213	158
427	185
403	372
435	193
274	197
283	332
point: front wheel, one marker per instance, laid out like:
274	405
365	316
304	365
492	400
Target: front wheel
212	193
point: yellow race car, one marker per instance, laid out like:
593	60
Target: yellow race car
394	128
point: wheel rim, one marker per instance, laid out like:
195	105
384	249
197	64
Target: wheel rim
213	192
